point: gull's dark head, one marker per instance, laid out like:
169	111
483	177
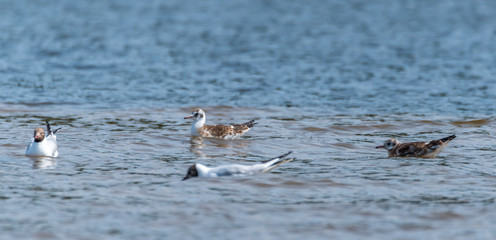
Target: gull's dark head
192	172
39	134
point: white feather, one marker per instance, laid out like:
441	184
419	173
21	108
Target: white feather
45	148
240	170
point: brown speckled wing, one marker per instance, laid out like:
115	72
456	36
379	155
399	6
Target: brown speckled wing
244	127
240	128
219	131
413	149
434	144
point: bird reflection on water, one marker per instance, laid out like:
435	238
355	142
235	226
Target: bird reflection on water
198	144
44	162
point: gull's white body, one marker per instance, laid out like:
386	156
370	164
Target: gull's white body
45	148
237	170
197	124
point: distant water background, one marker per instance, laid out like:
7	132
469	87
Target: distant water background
329	80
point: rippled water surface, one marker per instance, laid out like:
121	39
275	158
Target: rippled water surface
329	80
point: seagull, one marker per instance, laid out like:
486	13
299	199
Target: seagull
216	131
42	146
415	149
199	170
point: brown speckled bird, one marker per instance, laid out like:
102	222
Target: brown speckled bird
216	131
415	149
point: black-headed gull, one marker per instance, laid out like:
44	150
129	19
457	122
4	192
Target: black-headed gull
199	170
217	131
415	149
43	146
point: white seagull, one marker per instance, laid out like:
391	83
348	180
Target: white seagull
216	131
199	170
43	146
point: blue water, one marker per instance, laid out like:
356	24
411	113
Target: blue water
329	80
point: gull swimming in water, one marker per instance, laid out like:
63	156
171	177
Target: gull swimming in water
43	146
200	170
199	128
415	149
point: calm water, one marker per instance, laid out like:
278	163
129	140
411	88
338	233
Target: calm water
329	80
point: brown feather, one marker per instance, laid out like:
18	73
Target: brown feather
412	149
416	149
434	144
240	128
219	131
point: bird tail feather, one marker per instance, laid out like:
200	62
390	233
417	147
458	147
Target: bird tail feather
447	139
250	124
277	161
49	130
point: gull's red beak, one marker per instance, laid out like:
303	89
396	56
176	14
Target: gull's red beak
188	117
380	146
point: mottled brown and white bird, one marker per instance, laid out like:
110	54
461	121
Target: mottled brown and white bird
216	131
415	149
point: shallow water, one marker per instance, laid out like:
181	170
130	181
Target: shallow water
329	80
